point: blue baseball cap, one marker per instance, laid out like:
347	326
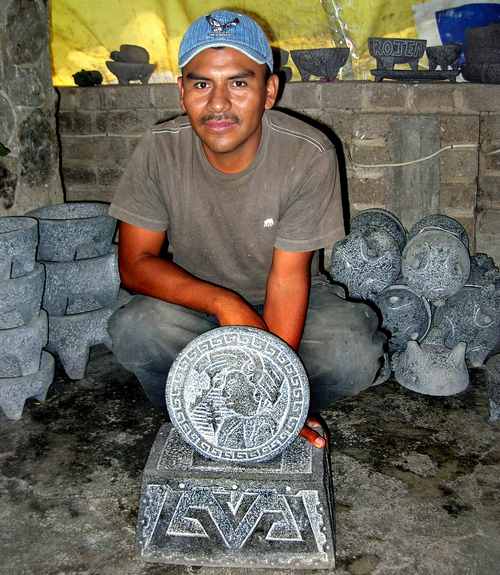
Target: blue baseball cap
225	28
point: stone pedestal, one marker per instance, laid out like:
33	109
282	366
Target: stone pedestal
276	514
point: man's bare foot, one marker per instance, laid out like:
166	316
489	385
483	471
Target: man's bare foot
309	432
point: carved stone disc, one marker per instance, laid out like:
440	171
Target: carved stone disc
238	394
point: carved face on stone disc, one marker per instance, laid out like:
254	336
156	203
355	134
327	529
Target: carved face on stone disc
366	261
436	264
238	394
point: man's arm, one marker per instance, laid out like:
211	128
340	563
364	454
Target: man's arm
144	271
285	310
287	295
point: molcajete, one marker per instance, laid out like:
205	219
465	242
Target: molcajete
366	261
322	62
391	51
22	347
21	297
14	391
379	218
81	285
73	231
470	316
435	264
440	222
432	369
406	315
18	243
446	56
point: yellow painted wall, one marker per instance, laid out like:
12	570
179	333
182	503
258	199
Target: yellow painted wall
84	32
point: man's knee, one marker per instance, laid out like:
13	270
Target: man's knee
342	348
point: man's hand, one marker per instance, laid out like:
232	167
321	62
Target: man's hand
310	431
231	309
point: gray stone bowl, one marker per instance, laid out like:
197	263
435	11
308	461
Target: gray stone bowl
14	391
406	315
81	285
366	262
322	62
391	51
73	231
440	222
72	336
18	242
129	71
446	56
20	298
379	218
432	369
22	347
470	316
435	264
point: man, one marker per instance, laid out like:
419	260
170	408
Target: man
244	195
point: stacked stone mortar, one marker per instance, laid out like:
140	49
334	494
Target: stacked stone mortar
26	370
441	286
82	279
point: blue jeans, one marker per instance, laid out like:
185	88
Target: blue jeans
341	349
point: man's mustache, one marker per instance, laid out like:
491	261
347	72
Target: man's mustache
220	118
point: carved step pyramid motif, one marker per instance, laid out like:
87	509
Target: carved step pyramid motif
276	514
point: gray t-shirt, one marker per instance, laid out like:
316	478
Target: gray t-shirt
221	227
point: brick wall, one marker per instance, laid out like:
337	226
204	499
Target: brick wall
376	123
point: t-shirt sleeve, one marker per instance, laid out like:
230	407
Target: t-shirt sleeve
138	199
312	218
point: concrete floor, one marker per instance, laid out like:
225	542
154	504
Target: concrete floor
417	481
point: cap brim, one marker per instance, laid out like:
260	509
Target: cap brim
220	44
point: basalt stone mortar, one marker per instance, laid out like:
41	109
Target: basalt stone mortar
440	222
435	264
405	315
21	297
446	56
322	62
391	51
22	347
18	243
470	316
379	218
74	231
14	391
81	285
432	369
483	271
72	336
366	262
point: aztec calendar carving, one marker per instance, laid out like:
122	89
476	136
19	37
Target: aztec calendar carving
238	394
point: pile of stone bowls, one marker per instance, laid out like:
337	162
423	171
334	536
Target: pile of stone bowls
428	290
82	278
26	370
322	62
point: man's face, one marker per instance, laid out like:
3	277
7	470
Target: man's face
225	93
240	394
